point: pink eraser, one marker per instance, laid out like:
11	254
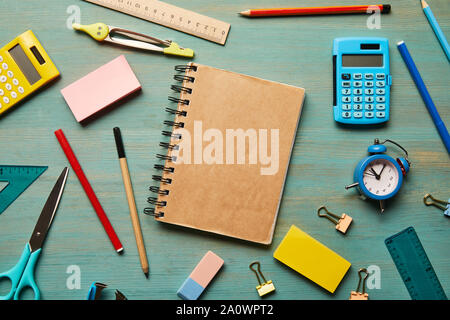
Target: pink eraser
206	269
100	88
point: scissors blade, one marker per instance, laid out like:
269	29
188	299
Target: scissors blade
48	212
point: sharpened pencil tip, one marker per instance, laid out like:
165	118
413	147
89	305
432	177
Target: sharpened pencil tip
424	4
146	274
245	13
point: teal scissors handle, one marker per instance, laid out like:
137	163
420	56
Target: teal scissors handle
22	275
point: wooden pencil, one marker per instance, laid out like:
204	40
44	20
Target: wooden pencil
131	202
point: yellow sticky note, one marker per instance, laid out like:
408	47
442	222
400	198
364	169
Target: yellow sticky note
312	259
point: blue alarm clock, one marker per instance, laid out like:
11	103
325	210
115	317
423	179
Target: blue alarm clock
379	176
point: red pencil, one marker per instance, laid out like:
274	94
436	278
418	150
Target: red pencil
384	8
88	189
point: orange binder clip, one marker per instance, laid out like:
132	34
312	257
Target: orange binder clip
343	222
356	295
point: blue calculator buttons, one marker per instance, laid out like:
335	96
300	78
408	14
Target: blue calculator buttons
380	76
346	107
346	114
346	76
346	92
357	76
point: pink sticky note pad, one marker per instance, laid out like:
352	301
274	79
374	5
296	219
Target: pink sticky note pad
101	88
206	269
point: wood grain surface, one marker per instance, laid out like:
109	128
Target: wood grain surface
292	50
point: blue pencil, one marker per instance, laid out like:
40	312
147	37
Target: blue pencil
424	93
437	30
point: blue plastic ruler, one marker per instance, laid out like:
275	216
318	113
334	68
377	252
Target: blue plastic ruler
414	266
19	178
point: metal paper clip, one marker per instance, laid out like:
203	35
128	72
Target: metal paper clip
342	223
443	205
264	287
357	295
96	289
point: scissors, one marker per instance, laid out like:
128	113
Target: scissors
102	32
22	275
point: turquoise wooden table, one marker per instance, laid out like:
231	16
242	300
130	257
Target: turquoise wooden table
293	50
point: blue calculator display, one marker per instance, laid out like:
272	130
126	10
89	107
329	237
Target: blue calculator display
361	80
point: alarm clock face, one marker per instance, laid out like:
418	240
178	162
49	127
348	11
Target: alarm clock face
380	177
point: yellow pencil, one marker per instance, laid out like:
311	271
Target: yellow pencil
131	201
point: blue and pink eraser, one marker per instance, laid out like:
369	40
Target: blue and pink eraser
200	277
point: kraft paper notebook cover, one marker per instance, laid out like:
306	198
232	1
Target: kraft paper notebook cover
309	257
206	184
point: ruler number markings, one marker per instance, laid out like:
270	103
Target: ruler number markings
172	17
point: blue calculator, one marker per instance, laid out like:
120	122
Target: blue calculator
361	80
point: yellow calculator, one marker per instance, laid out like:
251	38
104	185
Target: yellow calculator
24	68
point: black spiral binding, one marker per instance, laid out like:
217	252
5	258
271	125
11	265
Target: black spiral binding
164	180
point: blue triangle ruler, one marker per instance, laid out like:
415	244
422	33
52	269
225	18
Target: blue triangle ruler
19	178
414	266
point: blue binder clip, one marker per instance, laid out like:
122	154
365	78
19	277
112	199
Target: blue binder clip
443	205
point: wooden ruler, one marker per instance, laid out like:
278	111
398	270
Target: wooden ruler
171	16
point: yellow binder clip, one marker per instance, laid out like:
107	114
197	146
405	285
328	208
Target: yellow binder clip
264	287
357	295
343	222
102	32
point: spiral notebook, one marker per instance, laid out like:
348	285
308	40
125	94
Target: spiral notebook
226	152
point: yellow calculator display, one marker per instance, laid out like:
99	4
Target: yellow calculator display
24	68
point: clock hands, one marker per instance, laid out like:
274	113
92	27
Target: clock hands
384	166
369	174
377	175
